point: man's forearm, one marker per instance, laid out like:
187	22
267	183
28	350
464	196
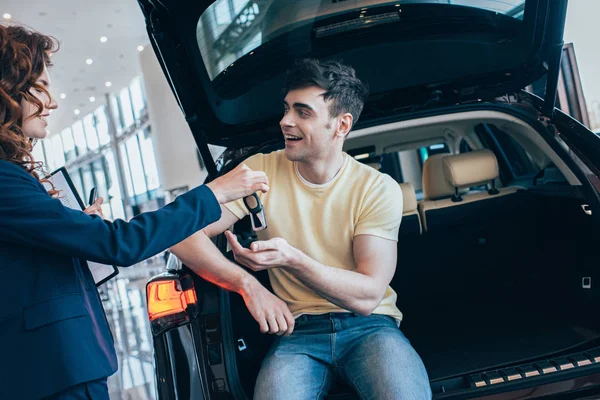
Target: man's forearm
200	254
347	289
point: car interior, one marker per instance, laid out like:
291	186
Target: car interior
495	251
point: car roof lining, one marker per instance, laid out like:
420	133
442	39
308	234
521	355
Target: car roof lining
450	129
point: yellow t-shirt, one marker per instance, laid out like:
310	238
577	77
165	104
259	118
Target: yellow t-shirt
322	221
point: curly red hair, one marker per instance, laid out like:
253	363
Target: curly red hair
23	55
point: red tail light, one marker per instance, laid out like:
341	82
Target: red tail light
165	297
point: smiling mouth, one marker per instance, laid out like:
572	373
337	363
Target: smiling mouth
292	138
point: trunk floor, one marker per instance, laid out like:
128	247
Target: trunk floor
458	347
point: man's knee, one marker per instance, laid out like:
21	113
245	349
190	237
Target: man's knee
291	377
384	365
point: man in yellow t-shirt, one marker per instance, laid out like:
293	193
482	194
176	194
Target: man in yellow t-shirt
330	251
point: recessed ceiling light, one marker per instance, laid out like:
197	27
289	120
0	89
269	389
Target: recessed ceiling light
77	111
63	96
108	84
89	61
7	16
92	99
140	48
103	39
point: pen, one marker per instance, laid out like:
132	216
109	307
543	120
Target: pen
93	195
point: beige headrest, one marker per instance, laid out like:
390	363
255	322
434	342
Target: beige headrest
409	197
470	169
435	186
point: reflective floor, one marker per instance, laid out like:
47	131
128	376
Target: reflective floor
124	299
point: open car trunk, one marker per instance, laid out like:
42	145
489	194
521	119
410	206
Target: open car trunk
502	289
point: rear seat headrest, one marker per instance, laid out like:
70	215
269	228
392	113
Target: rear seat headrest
409	197
435	186
470	169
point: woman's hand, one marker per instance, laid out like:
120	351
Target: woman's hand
96	208
237	183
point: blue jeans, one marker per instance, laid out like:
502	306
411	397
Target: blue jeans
369	353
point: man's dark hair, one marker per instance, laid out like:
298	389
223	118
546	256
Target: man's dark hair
346	92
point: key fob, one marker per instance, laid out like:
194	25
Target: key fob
257	212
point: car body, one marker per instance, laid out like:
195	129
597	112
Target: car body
501	304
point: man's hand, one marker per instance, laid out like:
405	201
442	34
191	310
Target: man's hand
271	313
237	183
263	255
96	208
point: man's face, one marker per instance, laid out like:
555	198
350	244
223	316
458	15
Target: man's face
309	131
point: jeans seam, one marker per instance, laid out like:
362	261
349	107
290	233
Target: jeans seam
353	380
323	384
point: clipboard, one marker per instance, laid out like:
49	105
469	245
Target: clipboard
69	197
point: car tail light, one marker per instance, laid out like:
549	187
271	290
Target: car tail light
171	301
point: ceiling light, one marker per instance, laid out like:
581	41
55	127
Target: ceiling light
92	99
108	84
77	111
7	16
140	48
103	39
63	96
89	61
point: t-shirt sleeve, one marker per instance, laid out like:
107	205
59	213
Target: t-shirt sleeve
237	207
381	211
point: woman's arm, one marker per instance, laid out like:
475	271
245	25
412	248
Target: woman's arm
29	216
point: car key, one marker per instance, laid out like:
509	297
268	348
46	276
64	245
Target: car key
257	212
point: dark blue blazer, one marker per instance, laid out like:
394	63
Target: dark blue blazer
53	330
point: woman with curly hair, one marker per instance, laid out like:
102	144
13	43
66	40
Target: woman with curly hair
55	339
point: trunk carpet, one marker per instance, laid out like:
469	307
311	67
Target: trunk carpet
450	348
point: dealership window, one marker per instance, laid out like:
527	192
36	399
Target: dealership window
137	98
126	107
87	150
101	123
68	144
91	135
79	137
59	154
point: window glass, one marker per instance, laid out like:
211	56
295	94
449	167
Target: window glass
238	5
222	13
126	169
114	192
90	132
79	138
68	144
76	178
49	151
149	160
102	185
114	105
137	97
59	154
126	110
38	153
426	152
88	181
135	163
520	162
102	125
227	26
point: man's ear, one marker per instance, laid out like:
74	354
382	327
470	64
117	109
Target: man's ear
344	125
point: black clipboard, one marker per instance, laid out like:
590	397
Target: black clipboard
69	197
